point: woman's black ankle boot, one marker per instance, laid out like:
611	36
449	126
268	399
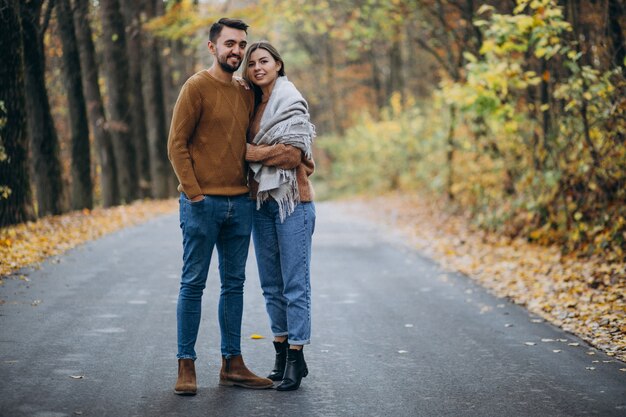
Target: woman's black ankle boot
281	359
295	370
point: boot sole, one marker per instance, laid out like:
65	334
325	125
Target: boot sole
242	385
188	393
295	387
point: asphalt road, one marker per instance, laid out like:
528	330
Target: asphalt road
93	333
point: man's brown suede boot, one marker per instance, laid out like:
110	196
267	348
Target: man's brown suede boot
234	372
186	383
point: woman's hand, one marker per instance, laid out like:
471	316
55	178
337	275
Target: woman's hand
241	82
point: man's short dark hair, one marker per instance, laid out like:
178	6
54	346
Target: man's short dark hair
216	28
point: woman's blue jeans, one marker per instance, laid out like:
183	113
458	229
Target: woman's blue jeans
225	222
283	253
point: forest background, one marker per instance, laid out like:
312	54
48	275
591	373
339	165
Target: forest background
513	112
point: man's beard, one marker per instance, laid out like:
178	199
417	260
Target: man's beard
226	66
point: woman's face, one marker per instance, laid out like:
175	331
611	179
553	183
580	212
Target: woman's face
262	68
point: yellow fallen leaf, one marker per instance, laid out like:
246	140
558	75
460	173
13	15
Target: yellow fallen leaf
256	336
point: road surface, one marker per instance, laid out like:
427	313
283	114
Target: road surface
93	333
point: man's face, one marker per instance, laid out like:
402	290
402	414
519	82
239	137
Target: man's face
229	48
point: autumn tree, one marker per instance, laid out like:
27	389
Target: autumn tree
118	90
136	58
154	95
15	196
82	185
44	144
95	107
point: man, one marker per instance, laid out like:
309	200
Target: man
206	147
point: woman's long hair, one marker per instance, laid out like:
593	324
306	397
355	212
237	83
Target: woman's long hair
274	53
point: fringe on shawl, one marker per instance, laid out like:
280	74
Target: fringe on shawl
287	197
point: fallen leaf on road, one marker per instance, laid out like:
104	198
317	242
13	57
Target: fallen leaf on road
591	353
77	376
557	351
547	340
508	325
530	343
403	351
573	344
622	369
256	336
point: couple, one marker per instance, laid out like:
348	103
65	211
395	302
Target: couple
243	158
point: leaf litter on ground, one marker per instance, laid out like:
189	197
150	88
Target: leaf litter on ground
32	242
583	295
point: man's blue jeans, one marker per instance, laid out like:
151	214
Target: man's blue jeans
225	222
283	253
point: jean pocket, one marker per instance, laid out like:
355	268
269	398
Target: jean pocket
192	203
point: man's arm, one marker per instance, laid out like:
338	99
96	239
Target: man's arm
184	120
279	155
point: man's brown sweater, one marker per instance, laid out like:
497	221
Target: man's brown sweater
207	141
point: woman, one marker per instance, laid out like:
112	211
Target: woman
279	153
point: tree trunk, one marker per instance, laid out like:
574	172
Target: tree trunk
616	33
450	153
95	108
332	87
170	95
155	114
130	9
44	143
395	82
82	186
545	100
120	121
376	81
16	207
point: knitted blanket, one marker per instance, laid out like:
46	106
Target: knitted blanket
285	120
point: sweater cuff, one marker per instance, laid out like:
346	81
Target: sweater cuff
253	154
192	191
